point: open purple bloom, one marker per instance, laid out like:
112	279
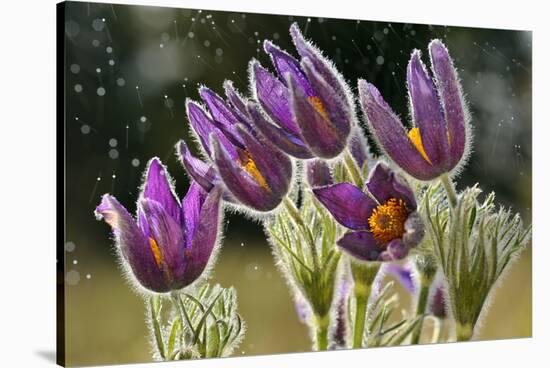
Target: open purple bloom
170	244
438	141
255	172
385	224
308	102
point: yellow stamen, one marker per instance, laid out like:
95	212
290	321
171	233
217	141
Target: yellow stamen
250	167
416	139
319	106
387	221
156	251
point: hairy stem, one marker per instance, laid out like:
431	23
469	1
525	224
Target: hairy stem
464	331
321	332
295	214
353	169
449	188
363	278
420	311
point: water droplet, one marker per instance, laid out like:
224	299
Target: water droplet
111	62
101	91
113	154
109	49
95	43
191	35
379	60
120	82
85	129
135	162
75	68
70	246
72	277
143	119
78	88
113	142
98	25
88	276
75	261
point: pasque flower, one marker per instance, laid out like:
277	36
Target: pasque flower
255	172
384	223
170	244
308	103
438	141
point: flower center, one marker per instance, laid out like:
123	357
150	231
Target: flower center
416	139
250	167
387	221
156	251
318	106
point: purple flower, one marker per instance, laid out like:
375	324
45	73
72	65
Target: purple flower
385	223
255	172
170	244
318	173
438	141
308	103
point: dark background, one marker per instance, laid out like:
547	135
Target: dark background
128	71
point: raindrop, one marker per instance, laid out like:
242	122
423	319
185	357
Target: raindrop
98	70
75	261
75	68
72	277
165	37
101	91
219	52
88	276
85	129
109	49
98	25
379	60
78	88
113	142
69	246
191	35
135	162
113	154
95	43
207	43
120	82
111	62
143	119
276	36
71	28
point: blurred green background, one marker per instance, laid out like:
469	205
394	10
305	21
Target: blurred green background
129	70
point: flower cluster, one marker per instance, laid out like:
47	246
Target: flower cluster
356	212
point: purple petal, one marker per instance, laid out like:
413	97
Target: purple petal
323	138
237	101
168	235
201	246
347	203
318	173
191	209
427	113
218	108
241	185
359	148
361	245
395	250
403	273
321	64
285	141
201	172
414	230
204	126
438	301
450	93
384	184
340	113
271	163
284	63
274	98
133	244
158	187
391	135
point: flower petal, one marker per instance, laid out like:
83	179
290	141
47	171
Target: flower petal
236	100
391	135
284	63
340	113
361	245
274	97
347	203
168	234
158	187
241	185
395	250
384	183
450	93
321	64
359	148
322	137
414	230
403	273
427	112
203	126
133	244
279	137
318	173
201	172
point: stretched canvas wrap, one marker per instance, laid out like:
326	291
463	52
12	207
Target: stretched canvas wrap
240	184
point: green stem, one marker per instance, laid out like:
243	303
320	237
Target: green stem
295	214
362	293
420	311
363	278
321	332
353	169
449	188
464	331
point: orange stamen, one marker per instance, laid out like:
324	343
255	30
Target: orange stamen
387	221
319	106
250	167
416	139
156	251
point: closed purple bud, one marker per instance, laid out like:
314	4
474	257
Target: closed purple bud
318	173
438	142
168	245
